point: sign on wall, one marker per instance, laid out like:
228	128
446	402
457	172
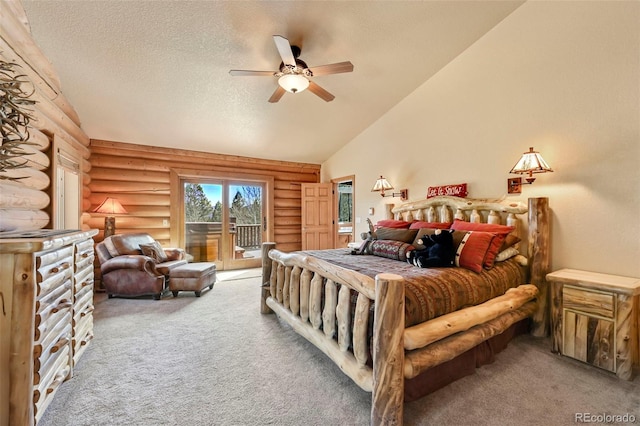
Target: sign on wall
459	190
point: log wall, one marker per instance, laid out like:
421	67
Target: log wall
139	177
27	203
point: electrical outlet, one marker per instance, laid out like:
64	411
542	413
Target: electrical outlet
358	220
165	222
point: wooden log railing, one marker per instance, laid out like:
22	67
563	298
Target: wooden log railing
316	300
314	297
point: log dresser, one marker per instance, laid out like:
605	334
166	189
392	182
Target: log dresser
594	318
46	320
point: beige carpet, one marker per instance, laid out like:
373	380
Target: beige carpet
215	360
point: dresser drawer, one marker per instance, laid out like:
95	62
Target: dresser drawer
83	278
53	263
589	302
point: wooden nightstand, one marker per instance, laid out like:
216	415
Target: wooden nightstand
594	319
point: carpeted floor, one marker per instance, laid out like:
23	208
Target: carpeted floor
215	360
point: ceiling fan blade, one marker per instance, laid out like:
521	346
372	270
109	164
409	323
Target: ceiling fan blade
284	48
319	91
245	73
332	68
277	95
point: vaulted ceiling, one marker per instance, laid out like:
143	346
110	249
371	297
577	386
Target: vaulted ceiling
157	72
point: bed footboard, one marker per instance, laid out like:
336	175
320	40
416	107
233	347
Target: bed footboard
294	286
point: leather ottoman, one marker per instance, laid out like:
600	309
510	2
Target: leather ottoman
192	277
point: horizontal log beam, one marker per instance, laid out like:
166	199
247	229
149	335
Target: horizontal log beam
421	335
15	195
22	220
127	199
31	178
108	174
354	280
127	186
462	204
420	360
195	157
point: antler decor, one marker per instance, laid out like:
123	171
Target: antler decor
15	116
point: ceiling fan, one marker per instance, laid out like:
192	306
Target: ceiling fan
293	73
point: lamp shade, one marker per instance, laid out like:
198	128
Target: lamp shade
381	185
293	83
531	162
110	206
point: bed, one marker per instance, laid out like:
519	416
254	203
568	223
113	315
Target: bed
359	316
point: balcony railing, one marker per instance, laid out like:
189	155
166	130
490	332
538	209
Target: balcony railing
249	236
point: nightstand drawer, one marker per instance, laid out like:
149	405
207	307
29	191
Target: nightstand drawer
589	302
589	339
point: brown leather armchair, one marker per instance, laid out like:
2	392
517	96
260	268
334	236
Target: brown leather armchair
126	271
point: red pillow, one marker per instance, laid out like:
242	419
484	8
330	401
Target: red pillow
431	225
391	223
500	231
473	249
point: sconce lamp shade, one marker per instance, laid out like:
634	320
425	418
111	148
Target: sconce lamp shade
531	162
293	83
381	185
110	206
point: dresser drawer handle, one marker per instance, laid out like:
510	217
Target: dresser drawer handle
58	380
85	255
87	312
61	343
61	268
63	304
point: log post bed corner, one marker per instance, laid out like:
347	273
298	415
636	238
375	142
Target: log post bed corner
314	297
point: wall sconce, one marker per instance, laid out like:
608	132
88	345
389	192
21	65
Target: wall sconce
382	185
531	162
110	207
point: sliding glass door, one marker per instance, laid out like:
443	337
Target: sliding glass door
247	222
224	221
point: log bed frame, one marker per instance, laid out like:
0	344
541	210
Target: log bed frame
293	285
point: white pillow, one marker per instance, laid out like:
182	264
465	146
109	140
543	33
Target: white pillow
507	254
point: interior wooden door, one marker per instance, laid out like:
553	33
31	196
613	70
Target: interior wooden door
317	216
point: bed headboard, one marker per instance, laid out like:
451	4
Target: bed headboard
446	209
534	228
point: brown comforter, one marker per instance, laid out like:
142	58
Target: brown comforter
431	292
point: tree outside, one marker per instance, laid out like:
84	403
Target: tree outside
197	206
246	205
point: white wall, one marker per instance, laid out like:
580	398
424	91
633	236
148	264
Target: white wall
562	77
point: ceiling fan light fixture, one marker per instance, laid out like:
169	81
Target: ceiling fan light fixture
293	83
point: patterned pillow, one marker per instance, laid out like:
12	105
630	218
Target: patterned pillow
472	248
154	250
501	232
396	250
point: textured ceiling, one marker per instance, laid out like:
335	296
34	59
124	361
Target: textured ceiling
157	72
